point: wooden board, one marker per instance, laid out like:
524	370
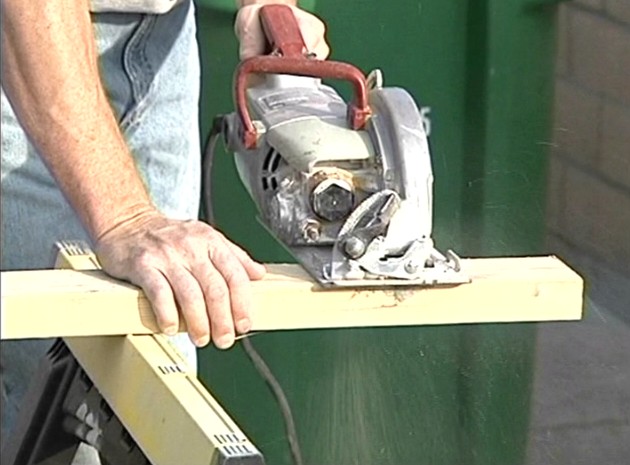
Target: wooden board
46	303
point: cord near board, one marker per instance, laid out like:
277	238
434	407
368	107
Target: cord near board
259	363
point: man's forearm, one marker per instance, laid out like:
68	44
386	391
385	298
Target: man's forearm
50	76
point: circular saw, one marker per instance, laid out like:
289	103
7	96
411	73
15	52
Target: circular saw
346	187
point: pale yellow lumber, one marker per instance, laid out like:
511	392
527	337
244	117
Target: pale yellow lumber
49	303
158	399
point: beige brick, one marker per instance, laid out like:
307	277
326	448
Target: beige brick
562	52
555	193
597	217
619	9
595	4
576	127
614	159
600	54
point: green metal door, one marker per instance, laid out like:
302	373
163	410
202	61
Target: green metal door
433	395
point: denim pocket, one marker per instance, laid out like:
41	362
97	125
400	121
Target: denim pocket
139	70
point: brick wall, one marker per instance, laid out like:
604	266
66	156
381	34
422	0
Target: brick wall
589	183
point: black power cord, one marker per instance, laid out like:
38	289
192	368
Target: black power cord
216	131
207	161
281	398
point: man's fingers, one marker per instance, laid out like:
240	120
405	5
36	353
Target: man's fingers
189	296
253	42
218	303
313	30
254	270
248	29
218	308
158	291
320	49
237	283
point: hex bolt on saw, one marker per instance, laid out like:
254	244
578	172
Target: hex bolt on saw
346	187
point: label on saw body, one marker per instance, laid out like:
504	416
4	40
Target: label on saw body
298	97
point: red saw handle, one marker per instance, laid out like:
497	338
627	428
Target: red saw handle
289	56
282	31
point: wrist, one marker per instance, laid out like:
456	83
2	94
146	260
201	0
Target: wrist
132	216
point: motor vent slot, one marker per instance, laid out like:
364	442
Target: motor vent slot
271	164
170	369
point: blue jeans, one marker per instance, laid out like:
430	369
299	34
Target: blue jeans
150	69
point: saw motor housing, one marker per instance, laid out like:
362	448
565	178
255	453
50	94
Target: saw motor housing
310	171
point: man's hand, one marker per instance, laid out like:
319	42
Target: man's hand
50	75
186	266
252	38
